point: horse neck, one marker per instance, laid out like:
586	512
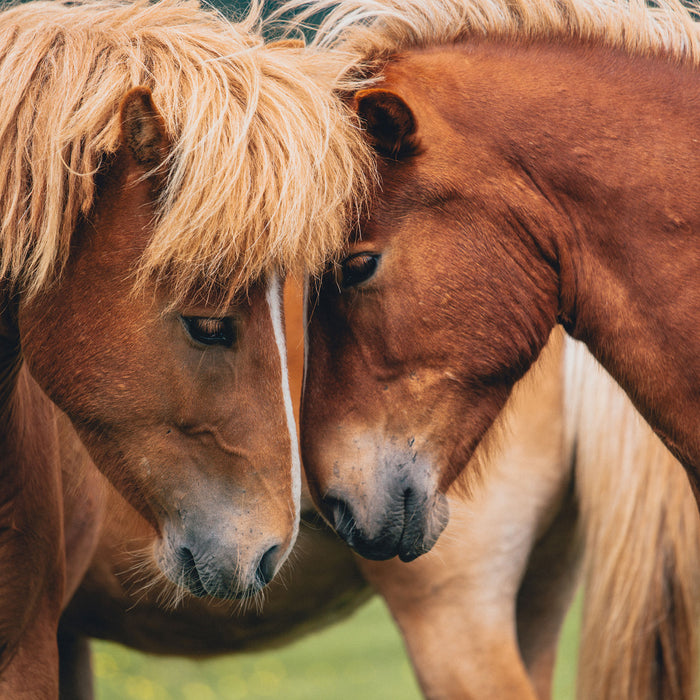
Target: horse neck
610	145
31	527
28	433
594	154
46	476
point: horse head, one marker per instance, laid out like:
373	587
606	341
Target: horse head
182	399
417	337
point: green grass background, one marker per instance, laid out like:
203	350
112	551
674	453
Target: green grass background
361	658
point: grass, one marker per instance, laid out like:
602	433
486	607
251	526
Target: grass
360	658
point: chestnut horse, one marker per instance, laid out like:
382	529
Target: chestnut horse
152	193
480	614
539	163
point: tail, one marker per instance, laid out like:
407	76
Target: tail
641	532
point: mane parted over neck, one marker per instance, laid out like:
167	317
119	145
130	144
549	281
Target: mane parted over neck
265	170
369	31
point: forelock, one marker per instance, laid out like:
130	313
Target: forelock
267	166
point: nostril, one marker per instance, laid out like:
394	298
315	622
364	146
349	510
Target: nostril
335	510
340	516
186	557
189	575
268	565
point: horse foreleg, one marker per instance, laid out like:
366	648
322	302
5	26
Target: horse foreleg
32	577
546	592
456	610
456	605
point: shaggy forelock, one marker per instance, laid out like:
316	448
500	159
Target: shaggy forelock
266	169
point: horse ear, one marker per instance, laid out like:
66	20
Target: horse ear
143	129
389	122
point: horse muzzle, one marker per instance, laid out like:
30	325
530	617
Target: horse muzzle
211	567
408	525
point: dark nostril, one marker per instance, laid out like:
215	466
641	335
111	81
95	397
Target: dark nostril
268	565
190	576
186	557
340	516
335	510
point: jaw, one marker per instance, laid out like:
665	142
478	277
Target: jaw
224	505
226	521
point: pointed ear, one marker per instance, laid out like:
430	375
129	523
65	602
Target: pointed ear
389	122
143	129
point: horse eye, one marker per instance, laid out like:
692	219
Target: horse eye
210	331
357	268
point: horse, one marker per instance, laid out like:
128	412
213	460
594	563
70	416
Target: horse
163	170
481	613
538	163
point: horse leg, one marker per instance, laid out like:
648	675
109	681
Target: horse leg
32	578
455	608
75	667
546	593
32	596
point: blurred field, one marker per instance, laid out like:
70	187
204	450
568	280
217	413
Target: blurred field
362	658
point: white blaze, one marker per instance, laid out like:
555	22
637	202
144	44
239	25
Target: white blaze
305	321
274	301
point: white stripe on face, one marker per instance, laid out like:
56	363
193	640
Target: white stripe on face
305	321
274	302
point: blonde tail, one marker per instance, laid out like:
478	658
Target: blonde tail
641	532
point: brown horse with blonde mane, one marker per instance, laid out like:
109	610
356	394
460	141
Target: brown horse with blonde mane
162	169
481	613
539	164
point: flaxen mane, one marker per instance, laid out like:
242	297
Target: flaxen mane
265	168
370	31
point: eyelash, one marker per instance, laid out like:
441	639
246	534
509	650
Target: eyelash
358	268
211	331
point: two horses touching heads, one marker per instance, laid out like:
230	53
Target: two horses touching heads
537	165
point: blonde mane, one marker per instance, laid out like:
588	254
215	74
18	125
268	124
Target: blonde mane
266	166
370	31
